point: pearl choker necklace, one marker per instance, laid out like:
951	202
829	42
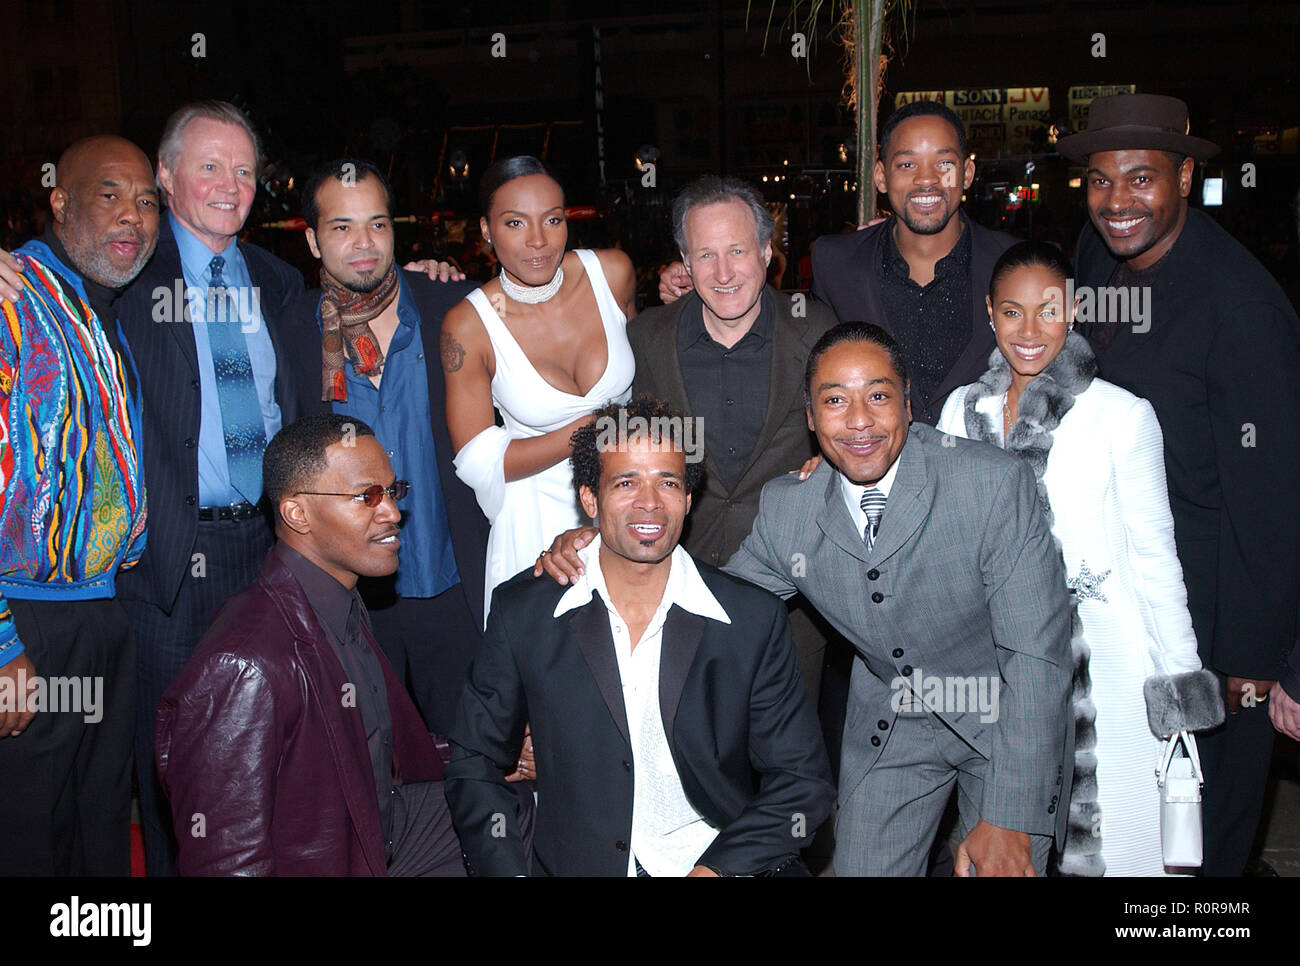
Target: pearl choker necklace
532	294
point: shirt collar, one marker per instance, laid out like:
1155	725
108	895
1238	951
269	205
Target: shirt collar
331	601
195	255
853	491
685	587
692	330
957	261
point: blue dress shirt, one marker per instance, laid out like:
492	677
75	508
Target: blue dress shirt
215	488
398	412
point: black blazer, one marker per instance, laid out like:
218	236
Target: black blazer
844	277
167	360
743	735
720	518
1220	364
469	528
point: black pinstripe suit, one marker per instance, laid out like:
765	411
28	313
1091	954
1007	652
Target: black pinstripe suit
172	593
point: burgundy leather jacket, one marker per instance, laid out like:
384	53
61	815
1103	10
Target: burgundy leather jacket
267	770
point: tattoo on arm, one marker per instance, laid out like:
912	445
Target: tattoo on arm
453	353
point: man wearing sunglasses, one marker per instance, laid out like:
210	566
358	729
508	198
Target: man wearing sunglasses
288	746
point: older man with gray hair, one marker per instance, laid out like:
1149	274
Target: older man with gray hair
221	372
732	353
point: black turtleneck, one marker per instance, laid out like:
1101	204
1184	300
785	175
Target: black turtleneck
101	299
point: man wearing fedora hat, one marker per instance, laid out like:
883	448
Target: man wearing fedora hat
1218	356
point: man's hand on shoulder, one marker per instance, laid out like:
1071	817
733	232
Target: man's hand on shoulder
995	851
702	872
436	270
11	277
561	561
674	282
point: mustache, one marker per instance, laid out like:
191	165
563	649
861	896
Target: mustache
128	235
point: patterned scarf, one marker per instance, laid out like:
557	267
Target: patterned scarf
345	317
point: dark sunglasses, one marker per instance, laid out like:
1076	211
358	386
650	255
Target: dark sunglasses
371	496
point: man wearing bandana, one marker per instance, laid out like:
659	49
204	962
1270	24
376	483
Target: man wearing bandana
379	364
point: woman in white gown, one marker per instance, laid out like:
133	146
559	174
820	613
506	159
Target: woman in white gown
546	344
1098	454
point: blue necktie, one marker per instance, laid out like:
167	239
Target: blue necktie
241	411
873	505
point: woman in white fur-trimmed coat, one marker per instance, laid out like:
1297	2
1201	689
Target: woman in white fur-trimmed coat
1098	454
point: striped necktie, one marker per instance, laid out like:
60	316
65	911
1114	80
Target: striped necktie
241	411
873	505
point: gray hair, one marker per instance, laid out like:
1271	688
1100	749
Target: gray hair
169	147
711	190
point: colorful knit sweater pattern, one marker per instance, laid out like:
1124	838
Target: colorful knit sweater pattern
73	509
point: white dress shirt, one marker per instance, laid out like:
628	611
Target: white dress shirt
668	834
853	495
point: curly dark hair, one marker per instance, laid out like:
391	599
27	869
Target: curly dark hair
656	416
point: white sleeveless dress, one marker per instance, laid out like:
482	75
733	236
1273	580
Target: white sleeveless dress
527	514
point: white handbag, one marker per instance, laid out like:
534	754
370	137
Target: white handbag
1180	780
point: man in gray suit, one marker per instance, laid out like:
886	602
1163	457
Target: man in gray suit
932	555
732	353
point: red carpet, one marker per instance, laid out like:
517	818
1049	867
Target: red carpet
137	851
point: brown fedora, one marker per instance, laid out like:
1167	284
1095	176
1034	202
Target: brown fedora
1140	122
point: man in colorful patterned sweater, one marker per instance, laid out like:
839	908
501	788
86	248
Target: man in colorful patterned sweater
73	514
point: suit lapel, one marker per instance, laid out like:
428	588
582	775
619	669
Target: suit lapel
681	639
589	626
668	368
168	255
908	503
835	522
786	375
320	667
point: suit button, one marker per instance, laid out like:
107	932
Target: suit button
621	845
1053	799
190	501
877	597
1051	809
882	724
875	740
189	443
873	574
898	652
907	670
627	765
194	384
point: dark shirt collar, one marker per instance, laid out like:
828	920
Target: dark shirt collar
692	330
331	601
96	294
956	262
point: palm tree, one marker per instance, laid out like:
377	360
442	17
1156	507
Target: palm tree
882	26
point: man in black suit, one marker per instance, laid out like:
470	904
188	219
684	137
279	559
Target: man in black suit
671	729
428	619
920	274
1181	314
222	369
